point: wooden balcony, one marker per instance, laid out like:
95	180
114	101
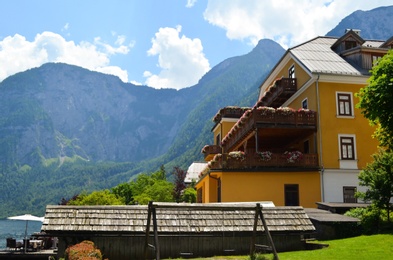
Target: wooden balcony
230	112
278	92
210	150
255	161
262	117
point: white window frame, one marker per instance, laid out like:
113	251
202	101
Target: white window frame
348	163
338	105
290	73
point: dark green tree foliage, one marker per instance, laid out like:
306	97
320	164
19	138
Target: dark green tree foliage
179	185
378	177
375	100
124	190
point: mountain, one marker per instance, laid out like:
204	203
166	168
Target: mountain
66	130
59	110
373	24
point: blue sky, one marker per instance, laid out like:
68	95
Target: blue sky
160	43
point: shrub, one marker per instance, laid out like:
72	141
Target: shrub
372	219
189	195
83	251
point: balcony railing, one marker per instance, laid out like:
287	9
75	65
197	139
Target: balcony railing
278	92
254	160
211	150
268	117
230	112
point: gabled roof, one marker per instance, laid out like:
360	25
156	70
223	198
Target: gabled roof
388	43
350	34
194	170
318	57
61	220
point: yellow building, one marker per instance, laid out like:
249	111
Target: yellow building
304	141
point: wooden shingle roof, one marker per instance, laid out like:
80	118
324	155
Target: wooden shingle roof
188	218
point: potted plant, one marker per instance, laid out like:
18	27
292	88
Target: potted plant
285	111
237	155
293	156
265	156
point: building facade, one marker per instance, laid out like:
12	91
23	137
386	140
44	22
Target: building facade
303	141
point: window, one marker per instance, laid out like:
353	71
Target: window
305	103
218	139
349	195
347	151
347	148
306	147
350	44
291	194
344	104
291	72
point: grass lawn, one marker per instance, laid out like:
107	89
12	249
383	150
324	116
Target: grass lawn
362	247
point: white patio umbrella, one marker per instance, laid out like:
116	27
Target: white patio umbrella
27	218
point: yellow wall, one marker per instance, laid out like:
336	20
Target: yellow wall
301	76
209	187
310	94
331	126
269	186
226	127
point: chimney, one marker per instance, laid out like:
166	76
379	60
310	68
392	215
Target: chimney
357	31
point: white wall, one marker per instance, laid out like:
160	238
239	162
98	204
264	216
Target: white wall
335	180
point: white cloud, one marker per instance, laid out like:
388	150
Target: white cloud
190	3
66	27
287	22
20	54
180	59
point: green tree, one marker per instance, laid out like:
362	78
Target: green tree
102	197
378	177
152	187
189	195
375	100
124	190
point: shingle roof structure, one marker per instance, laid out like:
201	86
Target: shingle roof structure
326	216
187	218
318	57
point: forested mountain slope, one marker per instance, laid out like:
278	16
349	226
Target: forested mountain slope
64	129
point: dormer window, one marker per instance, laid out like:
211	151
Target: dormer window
350	44
291	72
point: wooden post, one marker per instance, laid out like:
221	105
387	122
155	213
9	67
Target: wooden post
157	245
147	229
254	234
267	231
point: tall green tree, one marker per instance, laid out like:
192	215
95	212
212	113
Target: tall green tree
378	177
124	190
152	187
376	100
